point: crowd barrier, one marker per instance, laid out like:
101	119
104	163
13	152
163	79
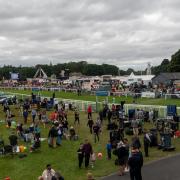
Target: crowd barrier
82	105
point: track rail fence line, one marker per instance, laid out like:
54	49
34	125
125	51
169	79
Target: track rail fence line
92	92
82	105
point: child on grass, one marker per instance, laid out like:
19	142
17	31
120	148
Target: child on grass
93	159
80	155
109	149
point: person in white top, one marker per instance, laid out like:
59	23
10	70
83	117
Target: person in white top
48	173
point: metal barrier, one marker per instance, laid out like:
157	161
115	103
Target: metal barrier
82	105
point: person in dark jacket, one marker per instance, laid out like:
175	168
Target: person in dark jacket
147	142
87	150
52	136
90	123
96	130
25	115
121	152
135	163
76	117
136	142
80	155
109	115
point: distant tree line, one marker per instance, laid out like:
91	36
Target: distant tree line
167	65
88	69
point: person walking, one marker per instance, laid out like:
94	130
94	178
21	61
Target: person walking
135	163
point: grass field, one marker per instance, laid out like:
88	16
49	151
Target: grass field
64	158
129	100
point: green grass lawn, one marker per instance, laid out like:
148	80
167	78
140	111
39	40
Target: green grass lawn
129	100
64	158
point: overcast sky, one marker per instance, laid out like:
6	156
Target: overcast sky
126	33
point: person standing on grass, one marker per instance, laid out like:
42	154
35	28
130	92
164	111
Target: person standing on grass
76	116
33	113
25	116
147	141
89	111
80	155
96	130
125	140
52	136
44	118
134	124
109	149
90	123
87	150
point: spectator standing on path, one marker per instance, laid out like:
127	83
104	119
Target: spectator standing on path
121	153
87	150
135	163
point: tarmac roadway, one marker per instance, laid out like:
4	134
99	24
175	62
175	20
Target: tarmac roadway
165	169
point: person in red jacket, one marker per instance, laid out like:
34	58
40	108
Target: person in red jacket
89	111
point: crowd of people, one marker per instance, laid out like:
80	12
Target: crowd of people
129	155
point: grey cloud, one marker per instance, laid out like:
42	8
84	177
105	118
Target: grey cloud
124	33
